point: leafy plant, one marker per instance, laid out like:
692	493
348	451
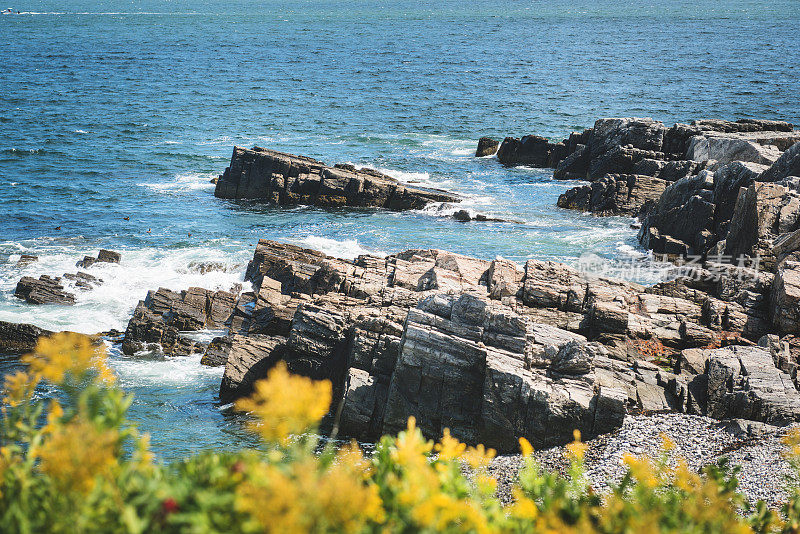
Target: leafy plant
70	461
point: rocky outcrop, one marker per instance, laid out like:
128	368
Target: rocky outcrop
491	351
725	147
159	320
788	164
615	194
18	338
736	152
486	147
531	150
44	290
285	179
744	382
104	256
59	290
682	220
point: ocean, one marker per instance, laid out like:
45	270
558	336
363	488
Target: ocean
115	116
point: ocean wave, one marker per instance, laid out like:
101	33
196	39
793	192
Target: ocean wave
174	371
183	182
347	249
110	305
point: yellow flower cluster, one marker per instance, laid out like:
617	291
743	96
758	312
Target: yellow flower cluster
286	404
69	354
421	485
84	468
75	455
304	497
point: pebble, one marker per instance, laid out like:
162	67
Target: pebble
757	448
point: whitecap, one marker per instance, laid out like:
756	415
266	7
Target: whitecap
183	182
347	249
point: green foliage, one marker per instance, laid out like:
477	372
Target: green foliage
77	465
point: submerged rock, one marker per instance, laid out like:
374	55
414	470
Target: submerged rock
285	179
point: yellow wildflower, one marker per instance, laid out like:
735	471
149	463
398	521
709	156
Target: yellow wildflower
300	498
576	449
525	447
479	456
74	455
449	448
19	387
666	442
523	507
286	404
411	448
69	353
641	469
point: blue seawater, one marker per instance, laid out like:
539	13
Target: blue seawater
126	109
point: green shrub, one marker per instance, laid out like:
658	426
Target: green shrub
78	465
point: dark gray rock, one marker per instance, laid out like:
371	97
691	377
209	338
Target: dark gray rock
486	147
45	290
289	180
615	194
531	150
573	167
788	164
682	220
17	338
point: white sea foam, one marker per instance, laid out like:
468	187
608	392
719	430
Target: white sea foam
81	131
179	371
183	182
110	304
347	249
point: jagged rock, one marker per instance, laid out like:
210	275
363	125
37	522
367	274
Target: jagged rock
644	134
216	353
682	220
26	259
744	382
788	164
615	194
16	338
785	299
45	290
158	320
619	160
727	182
762	212
728	147
483	348
249	359
531	150
486	147
104	256
286	179
670	171
573	167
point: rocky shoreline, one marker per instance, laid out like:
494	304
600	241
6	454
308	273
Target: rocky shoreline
493	350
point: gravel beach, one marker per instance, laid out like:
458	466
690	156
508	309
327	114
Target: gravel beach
755	447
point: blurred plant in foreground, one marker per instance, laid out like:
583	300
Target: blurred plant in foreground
70	461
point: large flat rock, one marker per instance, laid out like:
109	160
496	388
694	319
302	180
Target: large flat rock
286	179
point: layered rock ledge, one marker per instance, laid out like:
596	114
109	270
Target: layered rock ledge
285	179
491	350
711	188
